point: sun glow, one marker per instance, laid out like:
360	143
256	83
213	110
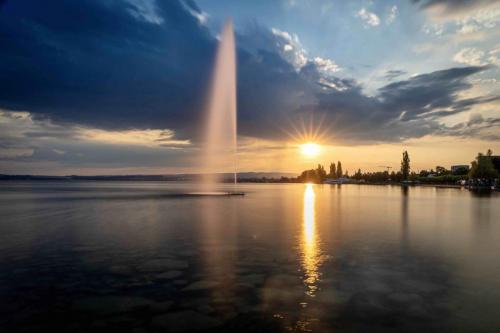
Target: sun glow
310	149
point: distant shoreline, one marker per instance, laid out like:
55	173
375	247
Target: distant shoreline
172	180
225	177
183	178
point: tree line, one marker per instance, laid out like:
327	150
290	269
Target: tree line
319	175
484	167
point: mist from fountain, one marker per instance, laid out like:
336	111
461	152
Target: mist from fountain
220	150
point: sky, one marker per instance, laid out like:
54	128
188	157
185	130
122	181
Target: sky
120	86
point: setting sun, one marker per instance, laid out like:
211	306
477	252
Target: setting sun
310	149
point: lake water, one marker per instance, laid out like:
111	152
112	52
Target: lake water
136	257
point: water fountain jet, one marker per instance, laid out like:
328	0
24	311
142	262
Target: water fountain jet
220	150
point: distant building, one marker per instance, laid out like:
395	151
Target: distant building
456	168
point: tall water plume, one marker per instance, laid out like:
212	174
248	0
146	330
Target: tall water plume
221	133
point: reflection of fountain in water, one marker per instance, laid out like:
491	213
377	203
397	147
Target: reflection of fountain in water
221	141
312	256
219	243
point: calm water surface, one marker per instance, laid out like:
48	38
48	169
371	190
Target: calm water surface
135	257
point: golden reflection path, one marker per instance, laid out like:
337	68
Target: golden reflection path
312	257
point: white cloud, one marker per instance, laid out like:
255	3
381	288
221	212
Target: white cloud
474	23
285	35
393	13
145	10
10	125
478	21
147	137
16	127
293	51
326	65
475	57
201	16
468	28
470	56
452	10
30	144
329	84
369	18
494	57
436	29
485	81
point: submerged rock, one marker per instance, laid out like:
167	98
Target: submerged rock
184	321
377	286
169	275
332	297
418	311
254	279
244	287
201	285
276	296
194	303
205	308
367	305
161	307
254	322
180	282
121	270
421	287
282	289
110	305
158	265
404	299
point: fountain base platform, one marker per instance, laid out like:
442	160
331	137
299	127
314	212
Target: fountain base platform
215	194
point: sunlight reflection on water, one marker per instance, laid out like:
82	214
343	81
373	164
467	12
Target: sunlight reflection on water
310	244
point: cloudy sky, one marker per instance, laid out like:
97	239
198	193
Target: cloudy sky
120	86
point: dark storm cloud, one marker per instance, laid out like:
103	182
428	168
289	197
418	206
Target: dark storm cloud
477	126
119	64
273	94
270	90
92	62
427	92
401	110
